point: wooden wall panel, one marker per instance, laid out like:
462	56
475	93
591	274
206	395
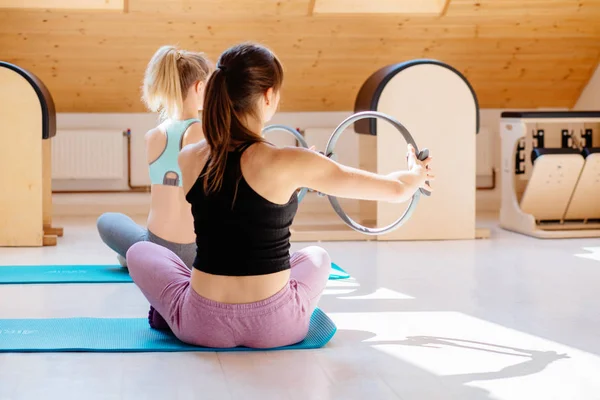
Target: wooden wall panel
104	5
517	54
428	7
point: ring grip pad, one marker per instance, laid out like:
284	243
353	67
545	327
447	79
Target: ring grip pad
423	154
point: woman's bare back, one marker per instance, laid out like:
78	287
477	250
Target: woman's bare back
170	216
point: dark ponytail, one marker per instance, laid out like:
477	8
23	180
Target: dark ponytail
244	73
216	121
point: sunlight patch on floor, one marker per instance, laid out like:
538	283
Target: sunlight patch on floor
594	253
464	350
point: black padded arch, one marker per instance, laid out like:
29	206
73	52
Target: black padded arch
590	150
539	151
550	114
370	92
46	102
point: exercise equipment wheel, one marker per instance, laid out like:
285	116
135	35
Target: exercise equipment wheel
422	155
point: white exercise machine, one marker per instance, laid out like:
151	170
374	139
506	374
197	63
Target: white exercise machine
551	173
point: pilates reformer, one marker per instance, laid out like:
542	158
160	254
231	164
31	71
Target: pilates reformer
551	173
29	124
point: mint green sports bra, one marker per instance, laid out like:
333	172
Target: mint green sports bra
167	161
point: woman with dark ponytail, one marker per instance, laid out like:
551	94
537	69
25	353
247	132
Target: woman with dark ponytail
244	288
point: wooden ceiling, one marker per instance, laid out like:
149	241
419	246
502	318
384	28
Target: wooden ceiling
516	53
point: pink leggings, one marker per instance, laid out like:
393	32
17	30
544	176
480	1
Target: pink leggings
280	320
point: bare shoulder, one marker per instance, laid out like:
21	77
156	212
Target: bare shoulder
194	154
287	157
155	133
278	161
193	134
192	159
300	163
155	139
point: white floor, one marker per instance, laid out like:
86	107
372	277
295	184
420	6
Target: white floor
507	318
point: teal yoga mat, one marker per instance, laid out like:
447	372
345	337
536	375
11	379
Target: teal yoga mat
25	274
337	273
121	335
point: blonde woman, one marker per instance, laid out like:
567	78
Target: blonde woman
174	86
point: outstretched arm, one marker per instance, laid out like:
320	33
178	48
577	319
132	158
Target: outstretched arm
309	169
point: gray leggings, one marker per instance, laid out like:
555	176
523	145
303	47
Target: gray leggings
120	232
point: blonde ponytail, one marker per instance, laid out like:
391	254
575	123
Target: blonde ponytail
162	89
169	75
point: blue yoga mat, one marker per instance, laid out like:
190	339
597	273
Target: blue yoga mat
120	335
24	274
337	273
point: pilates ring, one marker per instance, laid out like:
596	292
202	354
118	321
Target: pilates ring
415	198
300	140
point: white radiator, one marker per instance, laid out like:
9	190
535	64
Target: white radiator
88	154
